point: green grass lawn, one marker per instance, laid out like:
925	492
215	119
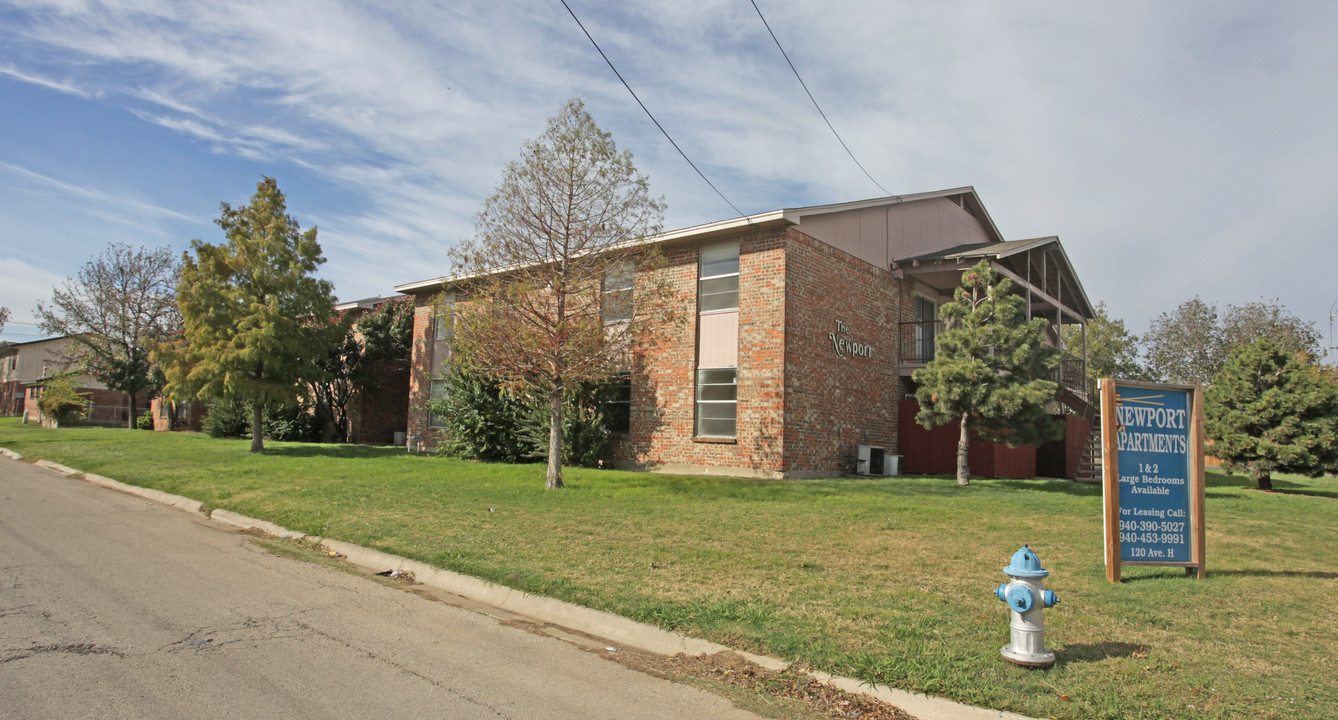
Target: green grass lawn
888	580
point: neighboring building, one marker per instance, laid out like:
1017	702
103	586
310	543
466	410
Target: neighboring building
25	366
805	326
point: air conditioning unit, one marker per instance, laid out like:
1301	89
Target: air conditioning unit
869	460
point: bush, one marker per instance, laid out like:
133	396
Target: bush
482	421
145	421
479	420
227	419
285	423
291	423
585	434
61	400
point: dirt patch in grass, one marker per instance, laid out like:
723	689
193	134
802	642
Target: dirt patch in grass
728	668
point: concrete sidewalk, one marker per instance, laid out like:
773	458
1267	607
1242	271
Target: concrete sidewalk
506	602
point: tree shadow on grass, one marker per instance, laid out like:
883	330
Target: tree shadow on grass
1066	487
348	452
1280	486
1256	572
1096	652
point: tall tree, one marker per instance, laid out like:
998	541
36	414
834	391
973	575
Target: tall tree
1243	324
256	318
4	317
564	219
991	370
1269	411
1192	343
1112	351
1185	345
113	310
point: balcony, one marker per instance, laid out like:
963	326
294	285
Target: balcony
918	341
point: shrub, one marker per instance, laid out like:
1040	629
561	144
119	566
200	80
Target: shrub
585	434
291	423
482	421
145	421
61	400
227	418
479	419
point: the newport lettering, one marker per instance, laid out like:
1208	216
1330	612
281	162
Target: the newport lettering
846	348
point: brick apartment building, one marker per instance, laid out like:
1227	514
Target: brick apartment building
805	326
24	368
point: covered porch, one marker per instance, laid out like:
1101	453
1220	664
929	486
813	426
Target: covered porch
1040	271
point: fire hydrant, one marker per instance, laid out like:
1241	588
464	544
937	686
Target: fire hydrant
1026	598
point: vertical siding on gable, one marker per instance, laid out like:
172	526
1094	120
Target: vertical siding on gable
881	235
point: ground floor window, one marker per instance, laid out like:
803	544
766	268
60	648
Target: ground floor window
436	393
717	401
618	405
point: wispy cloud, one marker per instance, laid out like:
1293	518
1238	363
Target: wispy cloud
127	209
1186	133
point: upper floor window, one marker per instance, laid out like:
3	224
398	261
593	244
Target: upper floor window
718	284
442	331
616	298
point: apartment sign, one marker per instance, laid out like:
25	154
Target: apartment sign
1154	473
845	348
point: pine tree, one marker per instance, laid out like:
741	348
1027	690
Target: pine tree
256	319
1271	412
990	370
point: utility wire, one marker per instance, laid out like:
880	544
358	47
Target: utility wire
648	113
810	97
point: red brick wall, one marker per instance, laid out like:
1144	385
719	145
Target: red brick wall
834	403
664	379
420	376
376	415
802	409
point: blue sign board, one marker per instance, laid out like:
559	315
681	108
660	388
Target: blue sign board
1153	444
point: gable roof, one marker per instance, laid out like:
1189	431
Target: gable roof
786	216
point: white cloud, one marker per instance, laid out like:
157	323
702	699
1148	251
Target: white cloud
1164	142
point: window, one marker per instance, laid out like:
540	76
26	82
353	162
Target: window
443	329
618	406
717	401
718	284
925	329
617	292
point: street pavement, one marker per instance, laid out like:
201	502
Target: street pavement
115	607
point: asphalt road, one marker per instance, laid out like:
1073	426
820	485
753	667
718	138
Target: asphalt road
115	607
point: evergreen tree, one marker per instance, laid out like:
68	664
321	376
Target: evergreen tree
256	319
991	370
1267	410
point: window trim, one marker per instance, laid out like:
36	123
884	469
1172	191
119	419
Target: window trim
698	402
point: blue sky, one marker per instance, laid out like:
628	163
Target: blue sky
1176	148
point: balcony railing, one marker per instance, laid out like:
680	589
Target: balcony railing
917	341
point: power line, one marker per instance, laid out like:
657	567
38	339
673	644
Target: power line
814	100
648	113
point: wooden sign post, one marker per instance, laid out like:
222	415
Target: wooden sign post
1153	475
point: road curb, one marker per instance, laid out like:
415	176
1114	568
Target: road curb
599	623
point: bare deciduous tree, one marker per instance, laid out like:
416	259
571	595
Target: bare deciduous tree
550	271
113	310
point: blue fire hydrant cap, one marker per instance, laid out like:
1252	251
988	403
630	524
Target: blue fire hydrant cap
1026	564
